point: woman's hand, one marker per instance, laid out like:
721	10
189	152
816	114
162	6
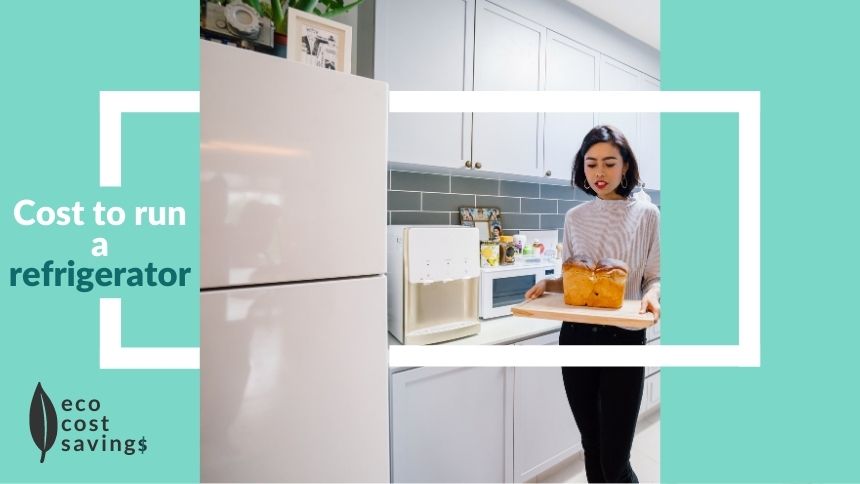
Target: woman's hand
651	302
536	291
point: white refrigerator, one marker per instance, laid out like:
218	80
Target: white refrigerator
294	351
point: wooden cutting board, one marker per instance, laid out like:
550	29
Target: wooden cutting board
551	306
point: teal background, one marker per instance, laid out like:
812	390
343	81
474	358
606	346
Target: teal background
700	229
49	132
795	419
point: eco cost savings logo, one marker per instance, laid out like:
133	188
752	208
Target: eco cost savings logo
43	421
84	425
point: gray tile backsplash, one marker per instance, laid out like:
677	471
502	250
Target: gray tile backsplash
445	202
551	222
520	221
478	186
519	189
559	192
420	218
505	204
565	205
539	205
429	199
419	182
404	200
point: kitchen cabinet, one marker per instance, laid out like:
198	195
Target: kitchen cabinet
464	45
570	66
486	424
426	45
545	432
651	389
648	151
509	56
650	393
652	332
650	370
615	76
451	425
641	129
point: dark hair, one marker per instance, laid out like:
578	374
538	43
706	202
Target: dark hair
606	134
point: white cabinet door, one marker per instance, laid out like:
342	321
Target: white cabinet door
293	387
650	370
545	432
451	425
641	129
615	76
648	151
655	390
426	45
570	66
651	393
653	332
509	56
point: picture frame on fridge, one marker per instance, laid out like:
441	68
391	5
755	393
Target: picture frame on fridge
318	41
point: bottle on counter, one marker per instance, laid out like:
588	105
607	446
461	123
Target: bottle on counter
507	250
519	243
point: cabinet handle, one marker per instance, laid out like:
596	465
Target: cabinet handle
478	165
468	163
549	173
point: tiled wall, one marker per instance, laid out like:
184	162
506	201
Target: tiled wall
421	199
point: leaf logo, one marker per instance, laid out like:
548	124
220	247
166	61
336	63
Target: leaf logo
43	421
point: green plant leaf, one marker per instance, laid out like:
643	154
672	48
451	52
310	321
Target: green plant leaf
255	4
278	16
333	10
306	5
267	10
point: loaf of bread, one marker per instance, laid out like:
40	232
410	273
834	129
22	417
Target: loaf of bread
599	285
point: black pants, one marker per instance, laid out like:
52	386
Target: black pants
605	402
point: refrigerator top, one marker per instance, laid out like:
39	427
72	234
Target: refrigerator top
293	170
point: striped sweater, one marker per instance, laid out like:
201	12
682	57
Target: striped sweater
621	229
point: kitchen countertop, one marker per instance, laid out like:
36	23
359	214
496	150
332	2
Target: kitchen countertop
502	331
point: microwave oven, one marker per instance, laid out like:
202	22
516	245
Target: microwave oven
503	287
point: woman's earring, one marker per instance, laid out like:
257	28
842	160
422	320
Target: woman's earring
587	187
624	181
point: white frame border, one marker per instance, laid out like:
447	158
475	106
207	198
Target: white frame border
747	104
112	355
111	106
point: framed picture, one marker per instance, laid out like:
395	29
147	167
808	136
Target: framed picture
488	221
318	41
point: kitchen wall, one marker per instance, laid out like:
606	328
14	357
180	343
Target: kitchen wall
432	199
351	18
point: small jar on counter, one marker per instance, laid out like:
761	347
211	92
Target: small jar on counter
489	254
507	250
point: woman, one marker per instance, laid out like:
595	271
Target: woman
605	401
